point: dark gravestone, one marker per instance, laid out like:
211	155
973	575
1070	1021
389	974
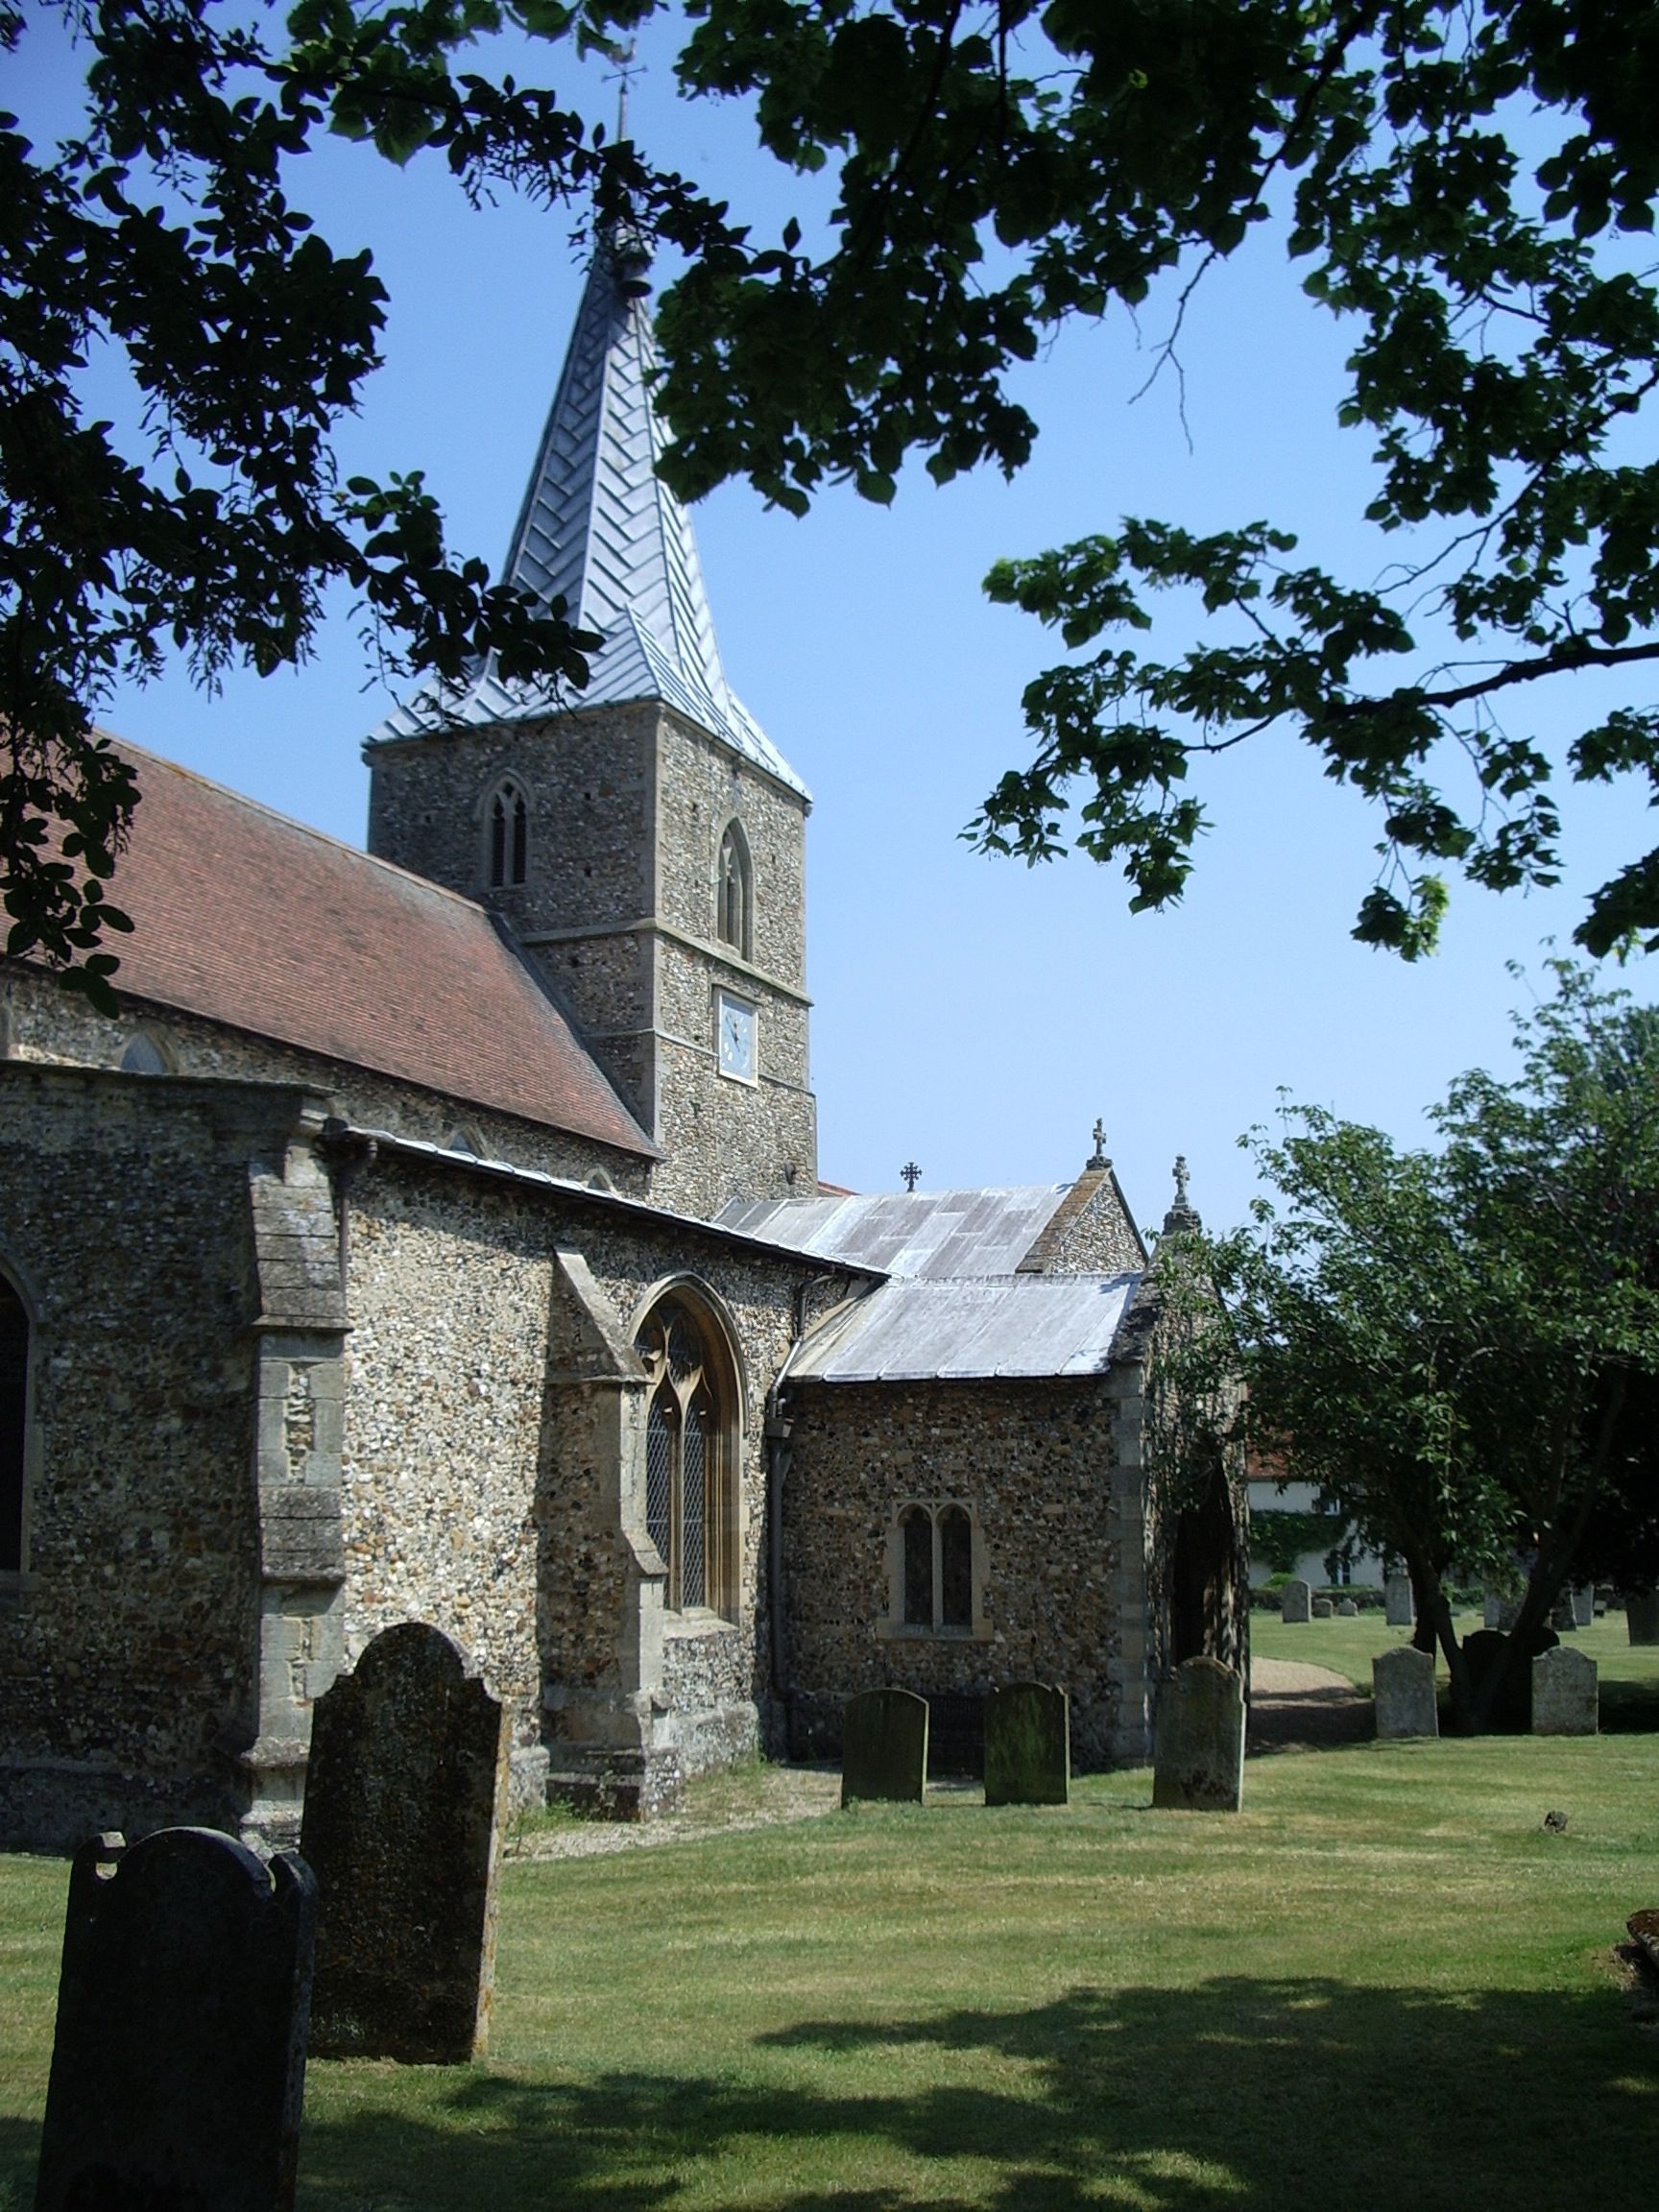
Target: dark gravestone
178	2065
1641	1616
1027	1745
884	1746
404	1794
1199	1762
1512	1714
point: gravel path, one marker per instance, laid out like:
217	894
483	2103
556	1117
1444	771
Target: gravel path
1291	1704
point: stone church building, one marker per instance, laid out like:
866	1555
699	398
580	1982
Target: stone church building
437	1234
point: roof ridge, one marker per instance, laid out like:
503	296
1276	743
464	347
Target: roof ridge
255	805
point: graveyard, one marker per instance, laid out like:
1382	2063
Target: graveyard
1383	1980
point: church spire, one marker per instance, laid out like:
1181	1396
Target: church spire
600	530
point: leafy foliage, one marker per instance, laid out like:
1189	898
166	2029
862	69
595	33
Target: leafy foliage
166	231
1464	184
1461	1348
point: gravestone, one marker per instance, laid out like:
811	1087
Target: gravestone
1027	1745
178	2065
1397	1606
1584	1605
1296	1602
404	1794
1512	1715
1323	1608
1347	1610
1500	1613
1402	1686
884	1747
1198	1764
1565	1699
1641	1616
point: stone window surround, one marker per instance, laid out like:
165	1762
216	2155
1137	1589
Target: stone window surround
893	1627
726	1386
147	1052
734	883
509	784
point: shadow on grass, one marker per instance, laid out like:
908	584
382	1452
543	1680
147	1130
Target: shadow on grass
1237	2093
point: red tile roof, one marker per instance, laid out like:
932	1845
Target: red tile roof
247	918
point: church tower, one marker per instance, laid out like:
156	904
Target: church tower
641	841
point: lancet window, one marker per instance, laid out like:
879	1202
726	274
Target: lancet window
934	1568
507	823
735	896
691	1456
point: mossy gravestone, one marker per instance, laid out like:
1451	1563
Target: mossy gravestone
404	1794
1403	1687
1199	1762
884	1747
178	2065
1027	1745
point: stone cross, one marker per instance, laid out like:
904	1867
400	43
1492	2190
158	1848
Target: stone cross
1198	1764
404	1794
1180	1179
1097	1160
178	2065
911	1173
1027	1745
884	1747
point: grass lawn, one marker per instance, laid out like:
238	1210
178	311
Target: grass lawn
1384	1983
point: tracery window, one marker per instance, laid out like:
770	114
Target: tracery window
933	1569
14	1424
691	1456
508	826
734	895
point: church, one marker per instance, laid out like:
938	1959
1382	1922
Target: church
437	1234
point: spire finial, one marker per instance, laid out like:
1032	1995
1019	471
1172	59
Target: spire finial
625	71
1182	1214
1097	1160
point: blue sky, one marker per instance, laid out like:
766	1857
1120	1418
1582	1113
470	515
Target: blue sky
971	1014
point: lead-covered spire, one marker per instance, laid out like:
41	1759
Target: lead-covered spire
600	529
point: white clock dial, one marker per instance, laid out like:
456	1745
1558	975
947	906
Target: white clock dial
736	1039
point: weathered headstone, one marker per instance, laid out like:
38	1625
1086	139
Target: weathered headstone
404	1794
884	1747
1565	1697
1403	1686
1323	1608
1198	1764
1296	1602
179	2065
1397	1606
1347	1610
1027	1745
1641	1616
1500	1613
1584	1605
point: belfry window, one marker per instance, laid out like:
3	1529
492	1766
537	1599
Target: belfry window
14	1424
690	1457
507	823
735	896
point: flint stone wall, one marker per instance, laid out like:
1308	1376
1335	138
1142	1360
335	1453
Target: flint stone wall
140	1215
1058	1526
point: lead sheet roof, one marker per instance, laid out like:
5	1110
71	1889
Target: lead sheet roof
1012	1326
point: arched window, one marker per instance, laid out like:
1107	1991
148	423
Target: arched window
956	1568
14	1424
507	826
917	1528
734	895
144	1056
691	1456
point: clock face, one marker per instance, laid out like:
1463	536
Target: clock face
736	1022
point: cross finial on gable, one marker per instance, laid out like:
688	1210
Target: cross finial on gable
1097	1160
911	1173
1180	1179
